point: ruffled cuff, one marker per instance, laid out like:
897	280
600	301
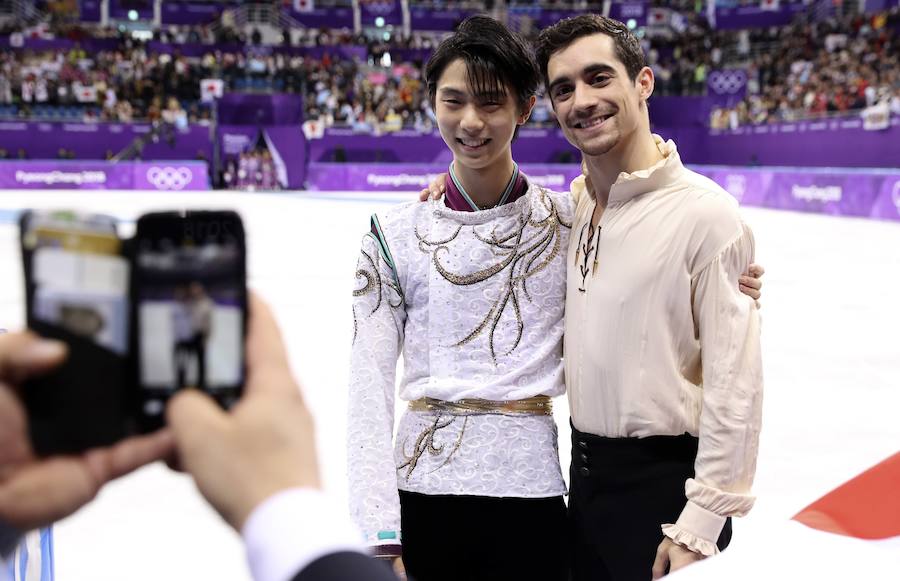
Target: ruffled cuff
696	529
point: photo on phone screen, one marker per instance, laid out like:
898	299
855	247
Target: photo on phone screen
191	307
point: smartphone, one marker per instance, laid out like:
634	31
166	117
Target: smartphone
189	301
77	291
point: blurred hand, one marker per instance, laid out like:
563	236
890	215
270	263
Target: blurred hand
35	492
263	445
750	283
674	556
435	189
399	569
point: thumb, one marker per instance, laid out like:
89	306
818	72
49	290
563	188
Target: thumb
25	354
195	420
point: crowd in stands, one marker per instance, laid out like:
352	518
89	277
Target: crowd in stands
798	71
820	69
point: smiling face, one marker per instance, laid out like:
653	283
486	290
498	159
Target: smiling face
478	126
600	109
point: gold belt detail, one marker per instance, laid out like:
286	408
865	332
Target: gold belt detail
539	405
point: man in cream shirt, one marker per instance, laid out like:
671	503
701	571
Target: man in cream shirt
662	350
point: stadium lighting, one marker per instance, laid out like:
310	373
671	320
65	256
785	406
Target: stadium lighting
132	15
379	22
632	23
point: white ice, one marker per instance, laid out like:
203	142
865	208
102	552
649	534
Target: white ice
831	350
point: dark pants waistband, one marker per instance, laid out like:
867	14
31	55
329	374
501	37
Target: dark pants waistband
630	451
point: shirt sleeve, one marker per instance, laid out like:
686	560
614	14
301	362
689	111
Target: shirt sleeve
729	328
294	528
378	321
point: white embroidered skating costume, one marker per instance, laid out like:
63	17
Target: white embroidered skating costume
475	303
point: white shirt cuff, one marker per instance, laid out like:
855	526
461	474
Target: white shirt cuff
293	528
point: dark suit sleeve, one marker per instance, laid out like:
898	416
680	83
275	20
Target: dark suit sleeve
346	566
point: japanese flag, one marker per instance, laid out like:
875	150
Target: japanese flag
85	93
304	5
211	89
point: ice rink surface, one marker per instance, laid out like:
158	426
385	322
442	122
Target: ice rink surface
831	344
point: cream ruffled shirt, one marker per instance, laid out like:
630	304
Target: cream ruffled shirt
660	341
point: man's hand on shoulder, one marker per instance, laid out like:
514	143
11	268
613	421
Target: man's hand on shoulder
435	189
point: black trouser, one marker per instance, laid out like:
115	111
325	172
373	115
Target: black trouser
476	538
193	348
621	491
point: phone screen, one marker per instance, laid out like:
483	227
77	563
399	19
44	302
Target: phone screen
190	303
77	291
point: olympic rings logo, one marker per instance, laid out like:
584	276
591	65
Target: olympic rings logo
727	82
383	7
169	178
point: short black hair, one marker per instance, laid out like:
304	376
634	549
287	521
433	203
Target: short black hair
559	36
496	59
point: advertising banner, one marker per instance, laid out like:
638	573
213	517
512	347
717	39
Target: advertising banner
414	177
100	175
427	18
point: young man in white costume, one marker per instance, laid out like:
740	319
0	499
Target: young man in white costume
471	290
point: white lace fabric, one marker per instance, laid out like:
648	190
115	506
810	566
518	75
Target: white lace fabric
475	303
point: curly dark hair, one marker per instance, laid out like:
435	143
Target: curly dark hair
565	32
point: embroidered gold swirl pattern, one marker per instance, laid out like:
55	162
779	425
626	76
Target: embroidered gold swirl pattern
369	272
425	443
522	258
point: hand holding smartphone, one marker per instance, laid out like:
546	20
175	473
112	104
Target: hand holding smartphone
143	318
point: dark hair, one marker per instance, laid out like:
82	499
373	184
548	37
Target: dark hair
565	32
496	59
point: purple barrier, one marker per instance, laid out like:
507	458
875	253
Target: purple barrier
43	175
192	13
411	55
422	18
89	10
874	193
95	140
44	44
236	139
331	17
864	194
826	143
741	17
407	146
390	10
872	6
413	177
288	147
680	111
260	109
